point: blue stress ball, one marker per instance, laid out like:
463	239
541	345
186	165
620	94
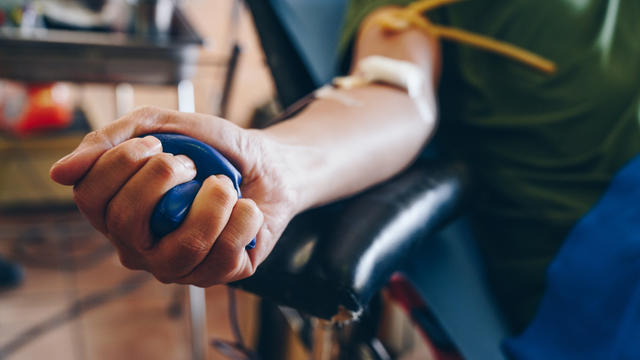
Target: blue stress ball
174	206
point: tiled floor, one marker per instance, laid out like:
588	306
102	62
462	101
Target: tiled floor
78	302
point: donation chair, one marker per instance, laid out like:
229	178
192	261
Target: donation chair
331	262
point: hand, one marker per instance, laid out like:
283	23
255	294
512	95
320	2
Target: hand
118	178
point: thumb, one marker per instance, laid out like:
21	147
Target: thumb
71	168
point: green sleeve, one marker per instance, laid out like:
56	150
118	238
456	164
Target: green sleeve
541	148
356	12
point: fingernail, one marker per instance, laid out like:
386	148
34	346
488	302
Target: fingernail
225	179
188	163
152	143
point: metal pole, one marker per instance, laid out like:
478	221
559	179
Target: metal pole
198	322
197	300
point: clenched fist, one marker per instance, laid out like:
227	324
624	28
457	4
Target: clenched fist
118	178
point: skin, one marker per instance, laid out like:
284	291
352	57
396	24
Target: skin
329	151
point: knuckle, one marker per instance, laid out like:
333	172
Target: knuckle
233	267
220	193
252	212
163	166
194	245
144	111
243	272
239	272
124	156
117	217
95	137
248	272
225	180
147	116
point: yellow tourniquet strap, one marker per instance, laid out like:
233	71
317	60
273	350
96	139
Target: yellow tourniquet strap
395	20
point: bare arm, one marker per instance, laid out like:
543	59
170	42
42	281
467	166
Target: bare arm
328	151
358	146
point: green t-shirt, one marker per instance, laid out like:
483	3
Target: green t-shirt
542	148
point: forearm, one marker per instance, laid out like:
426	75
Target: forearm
328	151
333	149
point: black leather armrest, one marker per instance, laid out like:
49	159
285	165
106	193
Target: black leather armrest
330	261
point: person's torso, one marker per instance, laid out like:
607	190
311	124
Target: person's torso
542	147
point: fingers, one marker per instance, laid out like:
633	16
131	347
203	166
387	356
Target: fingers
207	249
109	174
178	253
118	182
228	260
72	167
224	135
129	212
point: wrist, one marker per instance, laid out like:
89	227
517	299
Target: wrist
302	162
281	167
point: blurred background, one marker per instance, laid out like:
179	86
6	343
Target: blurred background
67	67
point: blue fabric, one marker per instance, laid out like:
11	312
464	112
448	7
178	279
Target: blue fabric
315	27
591	307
